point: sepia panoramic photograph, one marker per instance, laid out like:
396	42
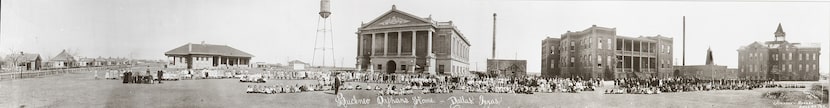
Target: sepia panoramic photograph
414	54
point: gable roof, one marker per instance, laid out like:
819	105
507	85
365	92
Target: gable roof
395	10
63	56
751	45
297	62
23	57
207	49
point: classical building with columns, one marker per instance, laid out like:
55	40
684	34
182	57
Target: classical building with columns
399	42
205	56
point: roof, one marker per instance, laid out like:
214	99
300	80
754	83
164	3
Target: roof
428	20
63	56
23	57
86	59
296	62
395	10
208	49
779	30
808	45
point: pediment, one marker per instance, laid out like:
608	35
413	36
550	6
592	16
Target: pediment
395	18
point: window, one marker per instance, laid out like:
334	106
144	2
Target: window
790	56
380	66
790	67
441	68
599	43
609	43
799	67
774	56
572	62
572	46
403	67
800	56
552	64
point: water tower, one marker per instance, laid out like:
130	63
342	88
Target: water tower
324	42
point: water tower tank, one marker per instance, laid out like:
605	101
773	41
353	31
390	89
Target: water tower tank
325	9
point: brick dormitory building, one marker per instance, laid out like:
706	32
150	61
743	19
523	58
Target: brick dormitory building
779	59
598	52
399	42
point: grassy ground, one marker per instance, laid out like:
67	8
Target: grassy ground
81	90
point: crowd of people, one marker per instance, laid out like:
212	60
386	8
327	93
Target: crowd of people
529	85
655	86
407	84
285	88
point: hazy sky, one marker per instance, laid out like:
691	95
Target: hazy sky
279	30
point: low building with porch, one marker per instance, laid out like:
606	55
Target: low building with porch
63	60
204	56
25	61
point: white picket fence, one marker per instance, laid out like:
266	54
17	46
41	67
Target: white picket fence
37	73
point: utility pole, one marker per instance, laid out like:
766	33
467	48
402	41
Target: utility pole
684	40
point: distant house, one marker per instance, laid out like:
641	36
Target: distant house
24	60
297	65
85	62
63	60
198	56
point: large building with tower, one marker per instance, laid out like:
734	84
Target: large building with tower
399	42
779	59
598	52
206	56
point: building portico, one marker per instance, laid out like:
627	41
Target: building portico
398	42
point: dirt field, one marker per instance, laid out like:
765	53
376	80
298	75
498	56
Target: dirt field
82	90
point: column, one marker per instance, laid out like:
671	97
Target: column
385	43
359	44
431	61
414	40
399	43
372	51
429	42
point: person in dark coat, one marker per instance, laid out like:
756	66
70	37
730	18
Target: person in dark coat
127	77
336	85
160	74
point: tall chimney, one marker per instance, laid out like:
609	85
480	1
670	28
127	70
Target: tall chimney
494	36
189	47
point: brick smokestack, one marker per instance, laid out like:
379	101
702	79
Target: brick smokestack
494	36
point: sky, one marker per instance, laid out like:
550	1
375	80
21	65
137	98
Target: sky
276	31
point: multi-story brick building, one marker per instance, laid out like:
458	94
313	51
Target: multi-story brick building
598	52
550	57
399	42
779	59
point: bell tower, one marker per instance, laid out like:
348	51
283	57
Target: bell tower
779	34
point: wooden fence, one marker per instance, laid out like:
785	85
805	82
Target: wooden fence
12	75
